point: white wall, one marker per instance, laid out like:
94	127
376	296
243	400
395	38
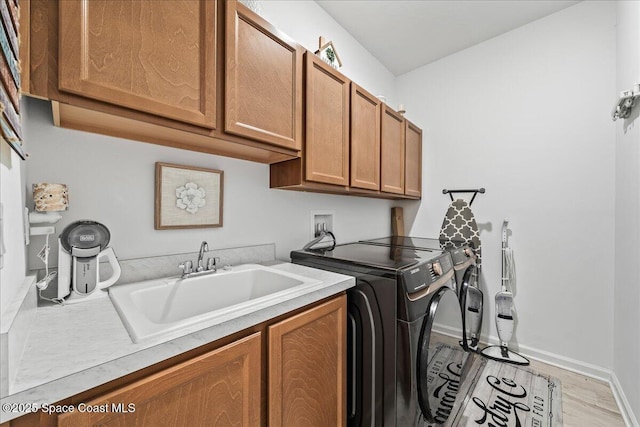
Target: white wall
306	21
12	273
112	180
526	115
627	233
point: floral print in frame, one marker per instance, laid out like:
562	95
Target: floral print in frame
187	197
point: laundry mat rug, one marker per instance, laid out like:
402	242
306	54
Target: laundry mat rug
502	395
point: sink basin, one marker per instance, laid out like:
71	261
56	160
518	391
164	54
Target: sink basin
156	307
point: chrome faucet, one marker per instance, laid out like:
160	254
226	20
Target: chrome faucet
200	269
204	247
212	264
187	268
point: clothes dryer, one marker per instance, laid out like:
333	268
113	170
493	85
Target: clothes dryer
462	254
395	359
470	296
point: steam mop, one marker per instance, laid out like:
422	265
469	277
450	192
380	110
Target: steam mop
505	309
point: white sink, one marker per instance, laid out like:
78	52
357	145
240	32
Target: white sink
155	307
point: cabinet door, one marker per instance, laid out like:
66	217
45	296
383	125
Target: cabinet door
392	151
413	160
327	123
307	367
365	139
263	80
152	56
219	388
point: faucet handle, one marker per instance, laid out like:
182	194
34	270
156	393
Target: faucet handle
186	266
212	263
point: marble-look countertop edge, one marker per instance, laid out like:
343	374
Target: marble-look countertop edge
10	313
55	390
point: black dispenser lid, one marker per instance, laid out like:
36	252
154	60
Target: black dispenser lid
84	234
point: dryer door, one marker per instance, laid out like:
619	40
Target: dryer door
441	360
471	304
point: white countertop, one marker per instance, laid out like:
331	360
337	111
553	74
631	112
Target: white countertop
74	348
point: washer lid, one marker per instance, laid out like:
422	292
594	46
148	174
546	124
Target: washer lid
376	256
85	234
419	242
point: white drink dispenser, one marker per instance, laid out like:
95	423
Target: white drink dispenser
82	245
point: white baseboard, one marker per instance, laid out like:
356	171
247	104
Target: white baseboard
623	403
567	363
547	357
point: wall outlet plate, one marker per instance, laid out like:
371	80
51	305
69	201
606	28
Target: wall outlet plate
319	217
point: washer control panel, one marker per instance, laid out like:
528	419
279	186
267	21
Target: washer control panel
462	255
422	275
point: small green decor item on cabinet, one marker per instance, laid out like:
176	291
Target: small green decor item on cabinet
327	52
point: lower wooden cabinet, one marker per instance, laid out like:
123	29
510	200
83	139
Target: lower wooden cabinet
307	368
289	372
219	388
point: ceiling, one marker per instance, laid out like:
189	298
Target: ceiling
405	35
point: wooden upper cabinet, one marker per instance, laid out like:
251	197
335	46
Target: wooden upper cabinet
392	151
263	98
413	160
221	387
326	151
307	367
365	139
157	57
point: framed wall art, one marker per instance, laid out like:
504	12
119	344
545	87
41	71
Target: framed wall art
188	197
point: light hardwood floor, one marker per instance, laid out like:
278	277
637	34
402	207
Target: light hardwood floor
586	402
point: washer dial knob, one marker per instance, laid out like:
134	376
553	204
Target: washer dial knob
437	268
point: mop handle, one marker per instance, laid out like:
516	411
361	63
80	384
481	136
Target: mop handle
505	279
505	224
